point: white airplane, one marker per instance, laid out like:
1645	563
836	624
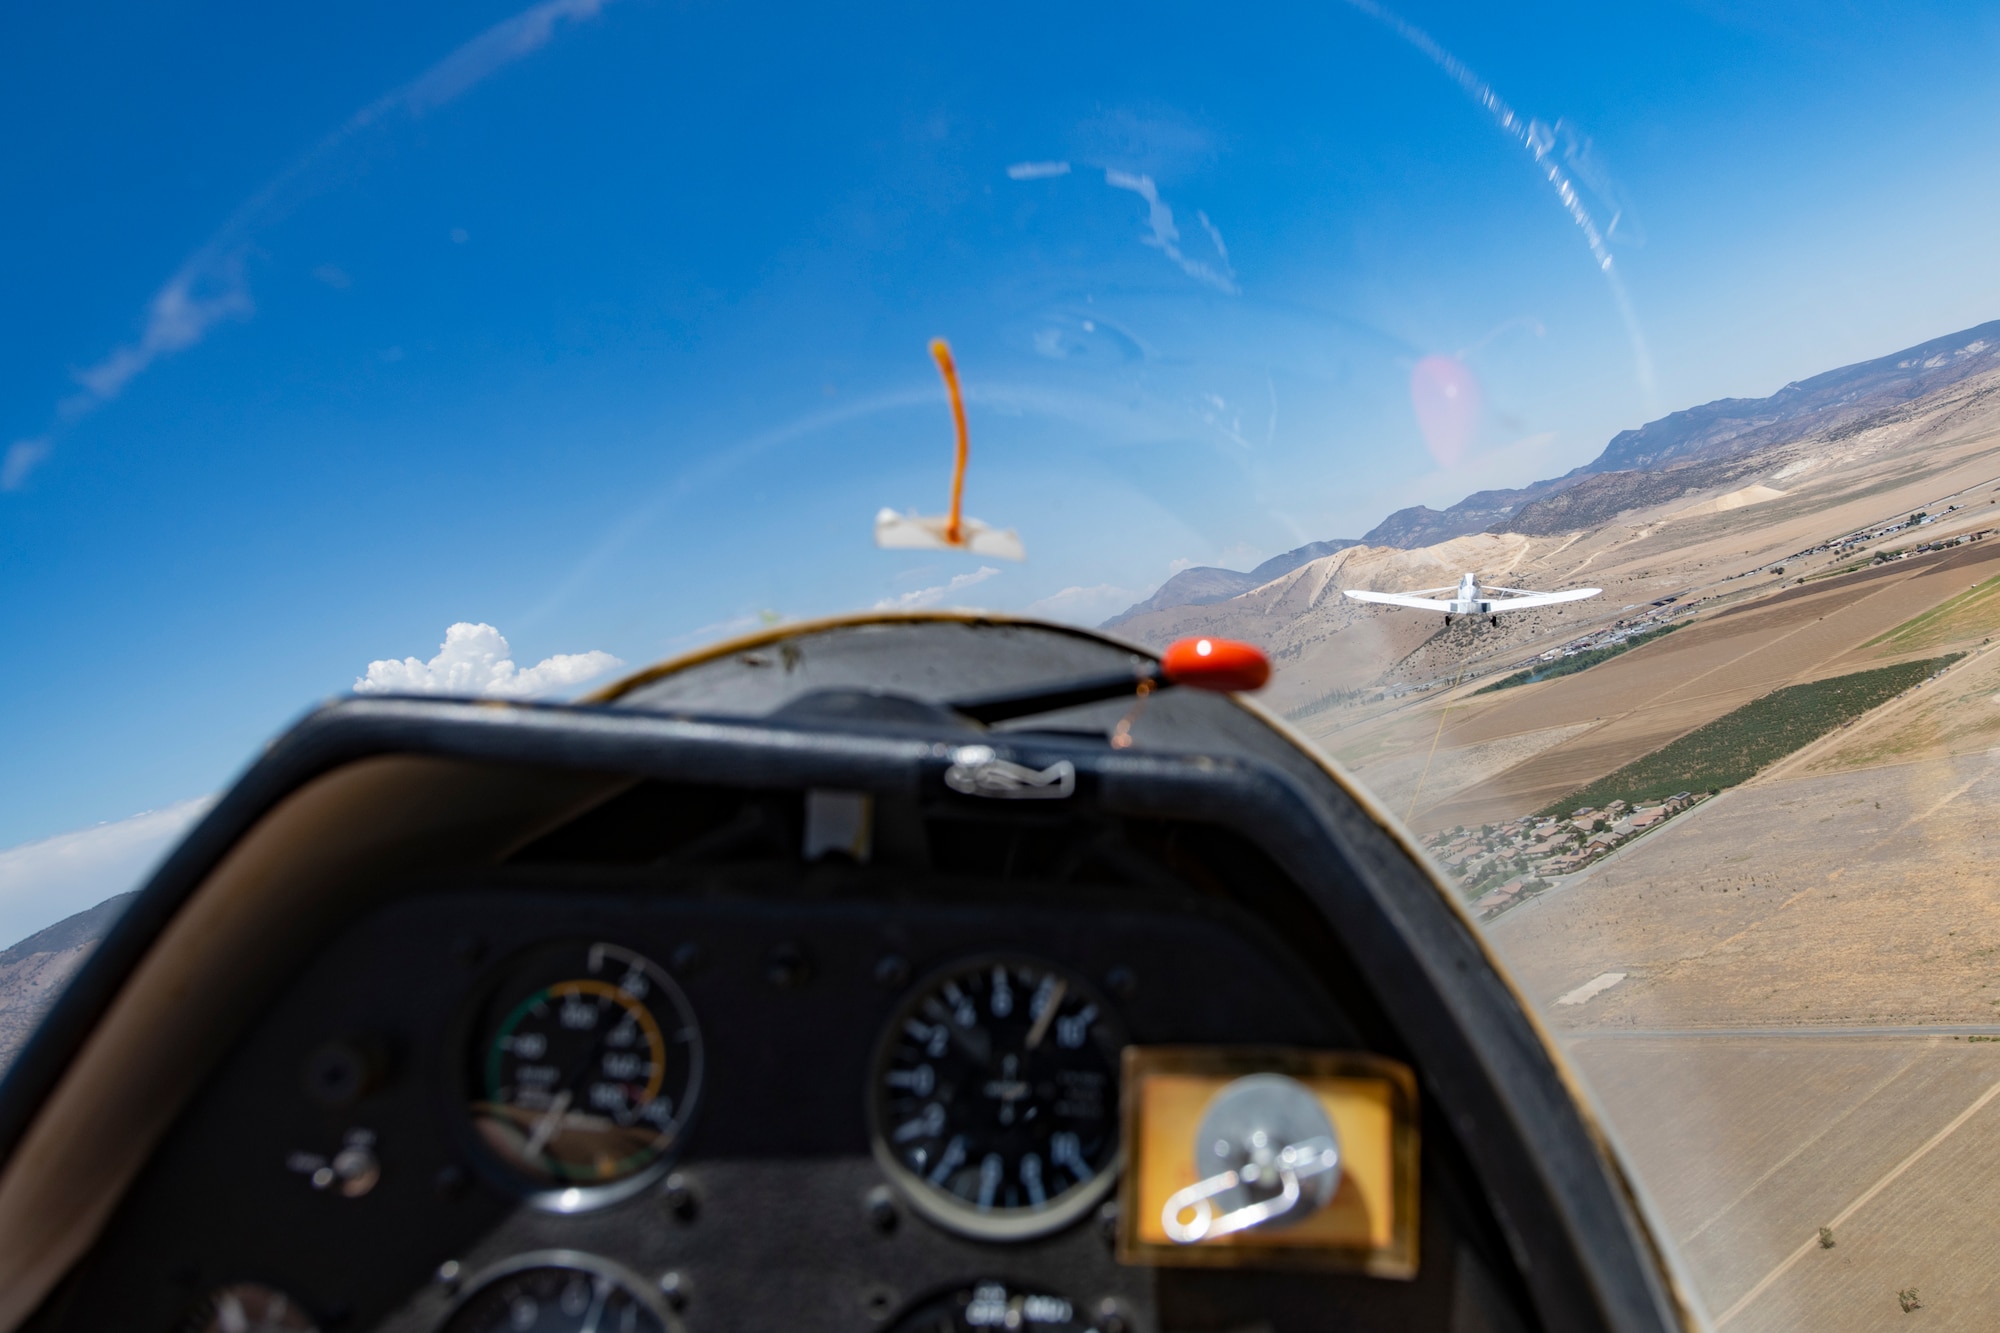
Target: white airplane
1470	599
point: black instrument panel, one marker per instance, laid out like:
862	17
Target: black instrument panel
768	1207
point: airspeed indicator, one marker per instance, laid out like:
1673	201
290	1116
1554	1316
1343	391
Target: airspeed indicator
586	1080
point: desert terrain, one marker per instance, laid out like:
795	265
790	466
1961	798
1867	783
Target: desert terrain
1785	997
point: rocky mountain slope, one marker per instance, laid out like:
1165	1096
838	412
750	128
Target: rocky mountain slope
1729	427
1204	584
33	972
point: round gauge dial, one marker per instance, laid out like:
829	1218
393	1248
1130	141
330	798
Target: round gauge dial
991	1303
586	1069
994	1098
249	1307
557	1291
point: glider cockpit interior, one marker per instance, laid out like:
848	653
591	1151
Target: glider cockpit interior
783	987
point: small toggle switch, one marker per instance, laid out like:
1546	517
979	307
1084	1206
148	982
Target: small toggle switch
353	1170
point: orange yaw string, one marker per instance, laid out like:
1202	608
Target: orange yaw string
941	352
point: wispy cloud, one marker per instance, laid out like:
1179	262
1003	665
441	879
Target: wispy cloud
1213	235
921	597
210	286
1034	171
1085	606
1540	141
22	457
1165	236
202	295
475	660
488	53
44	881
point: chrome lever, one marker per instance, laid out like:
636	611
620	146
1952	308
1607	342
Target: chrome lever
1239	1132
1296	1162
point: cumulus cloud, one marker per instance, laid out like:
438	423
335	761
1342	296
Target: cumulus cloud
1034	171
22	457
922	597
44	881
1166	236
1084	606
474	660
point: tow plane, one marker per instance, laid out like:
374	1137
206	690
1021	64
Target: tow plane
1469	598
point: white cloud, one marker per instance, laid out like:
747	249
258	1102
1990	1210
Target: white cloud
499	46
200	296
210	287
1084	606
1178	563
1034	171
22	457
922	597
473	660
44	881
1214	236
1166	236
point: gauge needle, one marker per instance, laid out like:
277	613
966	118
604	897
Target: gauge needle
603	1290
1041	1027
546	1127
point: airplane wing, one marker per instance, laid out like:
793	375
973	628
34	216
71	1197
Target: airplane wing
1397	599
1527	600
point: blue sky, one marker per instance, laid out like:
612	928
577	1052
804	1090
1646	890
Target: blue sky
604	324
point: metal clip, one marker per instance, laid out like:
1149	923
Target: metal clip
1295	1162
977	771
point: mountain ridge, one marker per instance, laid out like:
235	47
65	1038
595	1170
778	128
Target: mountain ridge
1203	585
1691	449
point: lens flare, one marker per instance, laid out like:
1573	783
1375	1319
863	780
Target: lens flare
1445	394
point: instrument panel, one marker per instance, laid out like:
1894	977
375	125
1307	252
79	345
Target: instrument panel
628	1104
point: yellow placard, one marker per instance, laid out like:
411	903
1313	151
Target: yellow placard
1370	1223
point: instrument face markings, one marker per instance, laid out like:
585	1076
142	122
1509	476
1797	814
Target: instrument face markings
558	1292
994	1099
580	1081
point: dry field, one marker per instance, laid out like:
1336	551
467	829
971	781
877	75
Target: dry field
1805	961
1747	1145
1641	700
1756	629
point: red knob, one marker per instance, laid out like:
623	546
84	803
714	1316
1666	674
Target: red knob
1215	664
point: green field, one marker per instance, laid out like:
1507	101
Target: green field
1569	666
1737	745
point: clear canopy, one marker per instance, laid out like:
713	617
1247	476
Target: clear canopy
489	352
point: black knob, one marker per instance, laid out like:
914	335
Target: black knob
342	1071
